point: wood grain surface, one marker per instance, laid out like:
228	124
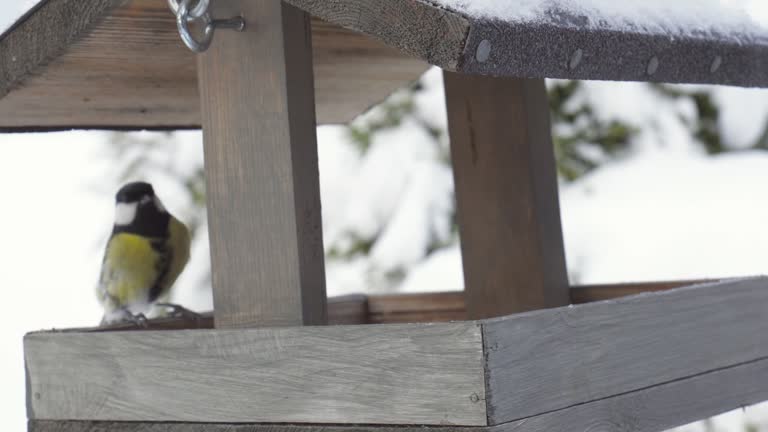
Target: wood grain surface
554	44
550	360
267	260
391	374
409	308
506	195
121	64
415	27
101	426
654	409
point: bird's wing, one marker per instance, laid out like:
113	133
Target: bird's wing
177	247
129	270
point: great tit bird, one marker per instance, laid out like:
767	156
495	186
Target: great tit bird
145	254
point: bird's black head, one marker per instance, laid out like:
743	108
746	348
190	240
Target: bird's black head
134	192
139	211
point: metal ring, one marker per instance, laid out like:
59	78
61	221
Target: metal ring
196	12
183	18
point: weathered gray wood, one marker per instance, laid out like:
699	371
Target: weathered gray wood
584	51
653	409
506	194
402	308
660	407
592	293
550	360
558	46
393	374
343	310
261	169
121	64
415	27
88	426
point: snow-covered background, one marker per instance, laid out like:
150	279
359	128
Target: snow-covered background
665	209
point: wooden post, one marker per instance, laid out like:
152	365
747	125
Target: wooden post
258	115
506	192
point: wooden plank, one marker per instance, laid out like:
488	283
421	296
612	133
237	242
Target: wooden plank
415	27
506	194
556	44
551	360
342	310
90	426
394	374
581	294
411	308
348	310
262	177
120	64
653	409
661	407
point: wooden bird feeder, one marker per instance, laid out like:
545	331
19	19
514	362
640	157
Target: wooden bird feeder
264	360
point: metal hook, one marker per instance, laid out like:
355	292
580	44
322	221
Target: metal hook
196	12
200	13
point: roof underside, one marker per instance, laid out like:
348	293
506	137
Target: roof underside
120	63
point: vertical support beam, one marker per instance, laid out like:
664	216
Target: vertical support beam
258	115
506	192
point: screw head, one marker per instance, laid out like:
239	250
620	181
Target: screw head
716	63
653	66
575	59
483	51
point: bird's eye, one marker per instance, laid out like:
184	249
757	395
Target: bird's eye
145	199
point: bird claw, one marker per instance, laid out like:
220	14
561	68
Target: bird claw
177	311
139	320
125	316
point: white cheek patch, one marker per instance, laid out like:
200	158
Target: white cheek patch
159	205
125	213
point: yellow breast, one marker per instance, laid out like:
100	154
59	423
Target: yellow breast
129	270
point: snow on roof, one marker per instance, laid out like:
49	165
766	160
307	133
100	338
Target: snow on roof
742	19
10	13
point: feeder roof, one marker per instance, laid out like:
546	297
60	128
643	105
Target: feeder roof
120	63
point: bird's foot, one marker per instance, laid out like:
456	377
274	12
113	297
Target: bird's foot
139	320
178	311
124	316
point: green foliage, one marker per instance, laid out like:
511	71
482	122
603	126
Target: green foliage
582	140
705	126
388	114
356	246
